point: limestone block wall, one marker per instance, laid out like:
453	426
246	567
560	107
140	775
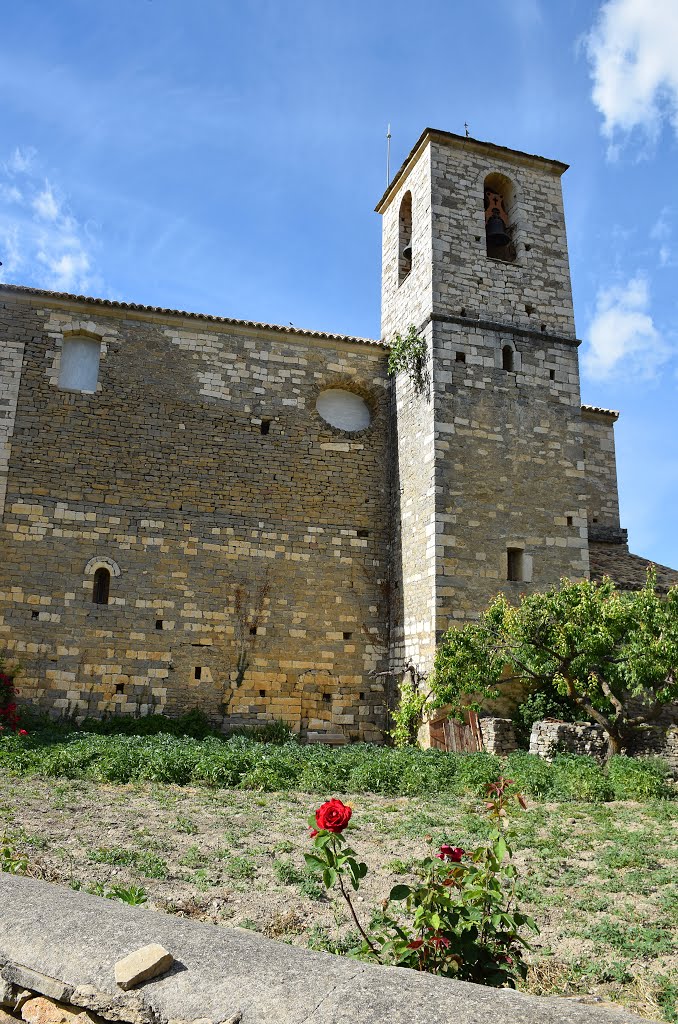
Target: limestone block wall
11	361
499	736
409	301
247	539
601	468
413	560
509	466
534	291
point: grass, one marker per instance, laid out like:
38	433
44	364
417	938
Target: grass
599	878
243	763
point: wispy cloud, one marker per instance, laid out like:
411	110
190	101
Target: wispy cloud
661	232
632	50
41	241
622	336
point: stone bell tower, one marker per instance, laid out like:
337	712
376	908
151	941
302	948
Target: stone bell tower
490	482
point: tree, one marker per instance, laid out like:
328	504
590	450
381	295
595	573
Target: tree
615	654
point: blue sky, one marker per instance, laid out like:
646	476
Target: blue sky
226	157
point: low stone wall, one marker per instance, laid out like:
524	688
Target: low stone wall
657	740
548	738
499	735
65	945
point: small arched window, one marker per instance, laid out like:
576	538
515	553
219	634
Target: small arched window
79	368
507	358
405	237
498	203
102	586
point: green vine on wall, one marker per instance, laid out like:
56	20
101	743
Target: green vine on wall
408	355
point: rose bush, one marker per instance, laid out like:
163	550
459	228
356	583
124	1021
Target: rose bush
9	713
459	920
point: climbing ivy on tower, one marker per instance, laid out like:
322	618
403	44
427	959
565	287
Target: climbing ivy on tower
408	355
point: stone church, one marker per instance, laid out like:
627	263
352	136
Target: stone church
257	520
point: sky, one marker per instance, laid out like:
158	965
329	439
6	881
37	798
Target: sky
225	157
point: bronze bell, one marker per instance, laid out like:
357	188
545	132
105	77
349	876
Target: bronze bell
407	252
495	231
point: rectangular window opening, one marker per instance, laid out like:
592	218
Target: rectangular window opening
119	687
34	614
552	374
158	624
460	357
253	630
265	426
197	672
362	533
347	636
570	521
514	564
262	693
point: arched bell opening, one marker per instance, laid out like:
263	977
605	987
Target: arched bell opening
405	238
498	200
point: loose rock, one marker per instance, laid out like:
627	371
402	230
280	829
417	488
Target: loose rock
143	964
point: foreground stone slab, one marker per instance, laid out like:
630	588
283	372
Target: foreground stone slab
143	964
224	974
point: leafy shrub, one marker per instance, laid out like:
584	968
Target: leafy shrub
240	762
532	775
637	778
540	705
579	777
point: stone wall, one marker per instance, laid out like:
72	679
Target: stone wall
499	736
601	471
509	469
228	545
549	738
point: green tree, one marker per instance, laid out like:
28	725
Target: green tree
614	654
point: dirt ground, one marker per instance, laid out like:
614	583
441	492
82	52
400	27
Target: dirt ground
600	880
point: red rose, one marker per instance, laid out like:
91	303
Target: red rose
333	816
22	732
450	853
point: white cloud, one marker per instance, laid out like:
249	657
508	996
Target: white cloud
41	242
20	161
632	50
622	336
45	204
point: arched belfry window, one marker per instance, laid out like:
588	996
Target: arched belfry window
405	237
507	358
498	200
102	586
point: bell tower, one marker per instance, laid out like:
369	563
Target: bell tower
489	464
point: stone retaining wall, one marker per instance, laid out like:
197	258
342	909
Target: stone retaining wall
64	945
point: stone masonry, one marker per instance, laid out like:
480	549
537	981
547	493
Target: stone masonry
260	562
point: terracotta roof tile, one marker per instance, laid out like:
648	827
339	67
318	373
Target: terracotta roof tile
603	412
